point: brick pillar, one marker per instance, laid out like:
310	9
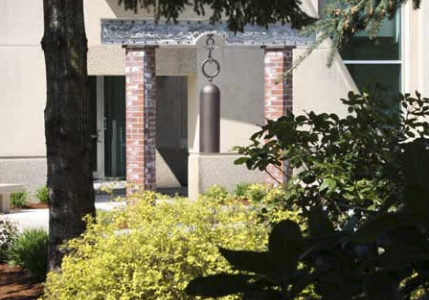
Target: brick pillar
278	95
140	117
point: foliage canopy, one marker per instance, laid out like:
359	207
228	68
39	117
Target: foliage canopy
338	20
386	256
348	165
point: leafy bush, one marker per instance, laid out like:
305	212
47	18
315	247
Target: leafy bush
18	199
8	233
251	192
240	189
350	163
217	193
151	250
256	192
384	257
30	250
42	194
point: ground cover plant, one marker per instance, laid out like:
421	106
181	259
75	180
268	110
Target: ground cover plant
42	194
30	251
362	187
18	199
152	248
8	233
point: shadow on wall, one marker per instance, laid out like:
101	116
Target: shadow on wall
241	80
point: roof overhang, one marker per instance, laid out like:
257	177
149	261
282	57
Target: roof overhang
187	33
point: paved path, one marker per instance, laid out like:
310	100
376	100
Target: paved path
39	218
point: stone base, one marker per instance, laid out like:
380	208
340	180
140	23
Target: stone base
206	170
28	172
5	191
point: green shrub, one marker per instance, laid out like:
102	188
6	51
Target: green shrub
30	250
216	193
8	233
149	251
42	194
350	162
384	257
18	199
240	189
256	192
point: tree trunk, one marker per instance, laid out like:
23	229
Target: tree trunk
68	144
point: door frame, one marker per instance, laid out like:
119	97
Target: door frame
100	121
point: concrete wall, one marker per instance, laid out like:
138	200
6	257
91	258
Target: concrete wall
319	88
22	79
22	93
218	169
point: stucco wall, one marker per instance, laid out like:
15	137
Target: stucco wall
22	79
318	87
22	94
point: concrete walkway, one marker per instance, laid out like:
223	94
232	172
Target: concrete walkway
39	218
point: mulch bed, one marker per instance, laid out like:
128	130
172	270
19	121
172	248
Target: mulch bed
36	206
16	284
31	206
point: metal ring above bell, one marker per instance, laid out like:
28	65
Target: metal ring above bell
203	68
210	41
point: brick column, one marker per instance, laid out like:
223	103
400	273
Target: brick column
278	95
140	117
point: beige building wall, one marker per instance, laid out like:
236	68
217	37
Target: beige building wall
23	86
22	94
22	79
318	87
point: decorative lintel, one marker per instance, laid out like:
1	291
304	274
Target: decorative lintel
187	33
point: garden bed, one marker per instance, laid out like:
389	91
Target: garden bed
31	206
15	283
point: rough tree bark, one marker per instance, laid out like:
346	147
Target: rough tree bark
70	182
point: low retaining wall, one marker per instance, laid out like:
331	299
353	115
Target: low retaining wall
206	170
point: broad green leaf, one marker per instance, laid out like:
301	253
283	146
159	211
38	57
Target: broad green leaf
250	261
322	243
416	165
241	160
328	183
373	228
268	294
285	244
380	285
417	199
402	247
319	223
218	285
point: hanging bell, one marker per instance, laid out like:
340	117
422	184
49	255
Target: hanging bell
210	119
210	106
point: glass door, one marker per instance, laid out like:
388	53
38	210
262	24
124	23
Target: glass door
107	95
114	124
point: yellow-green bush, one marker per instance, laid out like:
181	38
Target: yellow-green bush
149	251
255	192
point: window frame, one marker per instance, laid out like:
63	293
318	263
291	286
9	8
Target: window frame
402	54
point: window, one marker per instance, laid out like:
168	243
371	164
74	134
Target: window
376	62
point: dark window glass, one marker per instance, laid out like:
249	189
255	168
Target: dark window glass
114	134
386	46
93	118
384	77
